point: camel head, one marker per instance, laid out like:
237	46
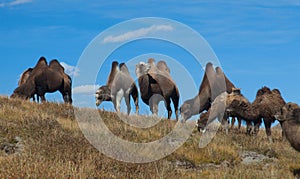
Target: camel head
286	112
103	94
202	121
20	93
142	68
187	110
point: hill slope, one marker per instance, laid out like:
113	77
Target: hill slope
44	141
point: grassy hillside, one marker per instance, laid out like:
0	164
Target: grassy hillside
44	141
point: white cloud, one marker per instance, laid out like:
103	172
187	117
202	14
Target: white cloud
85	89
70	70
15	3
137	33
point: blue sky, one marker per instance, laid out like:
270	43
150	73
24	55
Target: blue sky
257	43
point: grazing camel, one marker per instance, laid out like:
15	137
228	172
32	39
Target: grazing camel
213	84
289	116
44	79
157	85
265	106
119	84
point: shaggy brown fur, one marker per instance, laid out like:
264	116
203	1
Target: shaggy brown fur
267	103
43	79
119	81
155	87
213	84
289	116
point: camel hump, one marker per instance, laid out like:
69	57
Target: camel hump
41	63
162	65
263	90
276	91
24	76
209	71
123	68
151	61
54	64
219	71
113	71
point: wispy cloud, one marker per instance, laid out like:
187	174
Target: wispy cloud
137	33
85	89
15	3
70	70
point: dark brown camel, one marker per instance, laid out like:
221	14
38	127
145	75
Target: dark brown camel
265	106
157	85
119	84
289	116
267	103
213	84
46	79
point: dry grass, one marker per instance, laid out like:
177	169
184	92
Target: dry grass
54	147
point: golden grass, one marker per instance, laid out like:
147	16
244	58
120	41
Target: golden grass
54	147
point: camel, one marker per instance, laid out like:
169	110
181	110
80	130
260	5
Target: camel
267	103
119	84
45	79
264	107
25	75
222	108
157	85
213	84
289	116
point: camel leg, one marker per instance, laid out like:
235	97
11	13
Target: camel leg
64	95
115	104
155	108
267	123
168	106
224	122
43	99
248	127
239	123
256	126
282	132
117	100
127	100
232	122
135	96
66	98
154	104
136	103
175	102
70	96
